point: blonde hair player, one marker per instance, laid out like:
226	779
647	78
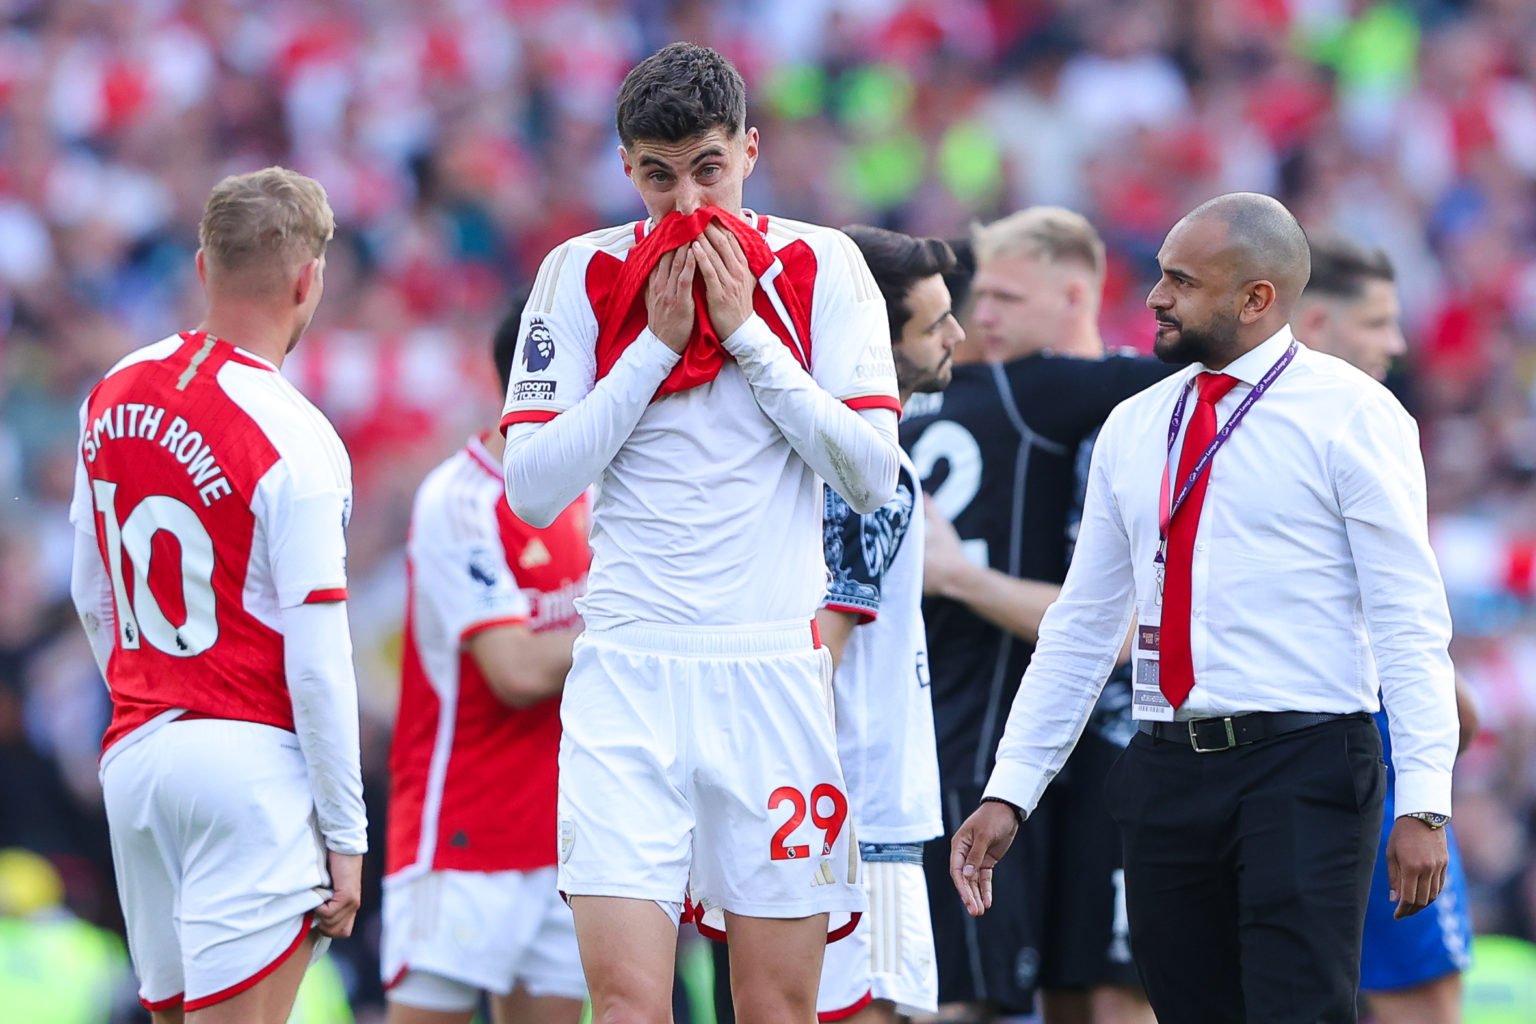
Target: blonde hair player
210	505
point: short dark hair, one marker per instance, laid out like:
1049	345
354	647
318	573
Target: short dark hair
959	277
897	262
504	342
678	92
1341	269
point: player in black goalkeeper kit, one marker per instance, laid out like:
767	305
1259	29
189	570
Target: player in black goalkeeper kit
999	453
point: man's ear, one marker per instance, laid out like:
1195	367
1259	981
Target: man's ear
751	152
202	269
307	276
1311	321
629	168
1258	299
1076	292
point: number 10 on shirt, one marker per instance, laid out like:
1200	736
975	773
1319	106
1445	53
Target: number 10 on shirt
135	536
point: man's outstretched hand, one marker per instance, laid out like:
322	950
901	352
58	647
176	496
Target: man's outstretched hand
976	849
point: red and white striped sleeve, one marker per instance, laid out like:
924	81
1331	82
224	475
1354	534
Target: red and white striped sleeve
850	333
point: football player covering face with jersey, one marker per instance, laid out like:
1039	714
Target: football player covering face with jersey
698	766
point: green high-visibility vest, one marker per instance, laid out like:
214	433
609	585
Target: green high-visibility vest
1500	987
58	969
322	997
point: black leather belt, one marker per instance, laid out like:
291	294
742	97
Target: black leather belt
1209	735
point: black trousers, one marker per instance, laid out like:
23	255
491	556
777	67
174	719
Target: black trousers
1247	872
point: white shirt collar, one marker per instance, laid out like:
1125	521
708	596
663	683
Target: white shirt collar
263	360
1251	366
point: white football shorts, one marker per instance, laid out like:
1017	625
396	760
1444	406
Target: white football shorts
219	861
486	930
890	954
701	761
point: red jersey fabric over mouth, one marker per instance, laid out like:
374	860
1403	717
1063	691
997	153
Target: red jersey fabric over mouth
623	315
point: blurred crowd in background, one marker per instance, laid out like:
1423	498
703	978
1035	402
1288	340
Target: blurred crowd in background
461	139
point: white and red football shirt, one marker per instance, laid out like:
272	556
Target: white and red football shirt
884	712
472	780
218	495
706	515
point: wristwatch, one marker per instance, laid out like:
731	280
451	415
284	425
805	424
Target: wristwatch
1430	818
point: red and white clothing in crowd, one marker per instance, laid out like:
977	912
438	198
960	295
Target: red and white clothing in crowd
698	688
470	893
210	505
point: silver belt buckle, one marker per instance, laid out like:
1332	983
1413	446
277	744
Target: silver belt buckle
1194	738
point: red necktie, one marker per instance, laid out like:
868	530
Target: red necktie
1177	676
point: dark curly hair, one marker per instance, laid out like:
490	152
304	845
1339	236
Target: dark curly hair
678	92
897	262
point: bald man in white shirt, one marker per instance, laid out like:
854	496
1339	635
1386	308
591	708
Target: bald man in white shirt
1280	578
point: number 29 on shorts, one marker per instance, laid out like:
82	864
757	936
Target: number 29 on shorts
830	823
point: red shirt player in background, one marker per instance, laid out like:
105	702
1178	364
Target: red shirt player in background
470	900
210	573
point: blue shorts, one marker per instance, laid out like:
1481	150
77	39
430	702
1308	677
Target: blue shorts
1431	944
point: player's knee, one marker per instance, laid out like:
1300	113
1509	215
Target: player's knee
629	997
1433	1002
622	1009
773	1003
1121	1004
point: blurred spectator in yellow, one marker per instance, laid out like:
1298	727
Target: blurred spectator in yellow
1501	986
54	967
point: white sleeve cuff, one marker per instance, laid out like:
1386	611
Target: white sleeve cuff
754	333
652	351
1420	790
1019	784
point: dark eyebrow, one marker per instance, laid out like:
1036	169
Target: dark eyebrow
1181	274
712	153
942	317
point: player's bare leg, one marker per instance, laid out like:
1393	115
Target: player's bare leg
521	1008
881	1011
1434	1002
954	1013
1066	1006
167	1016
1105	1004
1121	1004
628	948
269	1001
775	967
399	1013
